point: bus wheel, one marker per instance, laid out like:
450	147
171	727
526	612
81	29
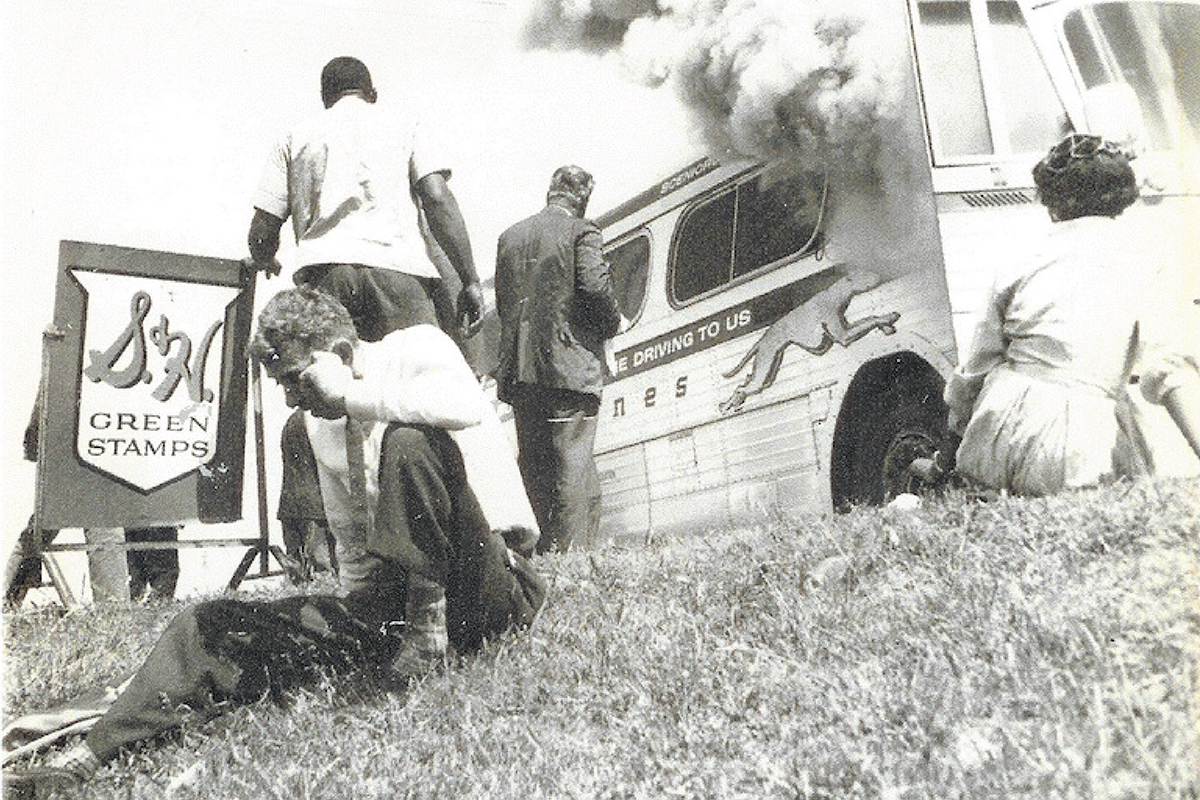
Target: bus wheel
899	428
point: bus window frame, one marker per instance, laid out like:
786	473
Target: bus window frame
1003	167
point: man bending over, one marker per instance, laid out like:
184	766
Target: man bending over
422	569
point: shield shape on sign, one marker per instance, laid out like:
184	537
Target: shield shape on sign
150	373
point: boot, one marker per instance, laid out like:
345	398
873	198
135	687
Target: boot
425	637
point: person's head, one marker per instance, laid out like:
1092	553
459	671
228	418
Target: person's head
294	326
346	75
1085	176
571	187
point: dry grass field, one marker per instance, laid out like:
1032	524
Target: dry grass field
1011	649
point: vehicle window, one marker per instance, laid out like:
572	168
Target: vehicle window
703	248
777	215
629	264
1179	28
1153	48
1034	118
951	81
986	90
773	215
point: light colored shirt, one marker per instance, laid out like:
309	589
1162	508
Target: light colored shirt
345	177
1039	397
1069	314
415	375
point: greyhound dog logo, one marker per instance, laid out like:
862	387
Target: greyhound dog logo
815	325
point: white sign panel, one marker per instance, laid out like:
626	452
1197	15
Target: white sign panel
147	411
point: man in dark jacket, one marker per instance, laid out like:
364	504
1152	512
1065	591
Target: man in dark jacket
555	300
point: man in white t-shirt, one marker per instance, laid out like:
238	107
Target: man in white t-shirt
350	179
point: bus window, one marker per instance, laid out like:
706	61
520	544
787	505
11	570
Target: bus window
703	248
952	83
629	264
761	221
986	90
777	215
1154	48
1034	118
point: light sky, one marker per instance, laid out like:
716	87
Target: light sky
144	123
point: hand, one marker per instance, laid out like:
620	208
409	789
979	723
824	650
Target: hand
272	268
470	309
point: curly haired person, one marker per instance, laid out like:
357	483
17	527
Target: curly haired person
1040	399
425	575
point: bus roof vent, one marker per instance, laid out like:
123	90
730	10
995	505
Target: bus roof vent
997	198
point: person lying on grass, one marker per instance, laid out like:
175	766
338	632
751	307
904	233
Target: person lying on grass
423	570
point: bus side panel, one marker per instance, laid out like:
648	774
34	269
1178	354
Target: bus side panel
625	501
773	458
682	462
977	243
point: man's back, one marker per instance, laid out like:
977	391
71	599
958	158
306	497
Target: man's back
344	177
554	298
536	263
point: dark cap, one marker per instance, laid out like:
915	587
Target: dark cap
345	74
571	182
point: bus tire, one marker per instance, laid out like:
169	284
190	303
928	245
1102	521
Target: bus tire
899	427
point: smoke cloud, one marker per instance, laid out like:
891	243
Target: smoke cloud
814	82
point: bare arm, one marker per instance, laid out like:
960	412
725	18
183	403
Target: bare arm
1183	404
450	230
1172	380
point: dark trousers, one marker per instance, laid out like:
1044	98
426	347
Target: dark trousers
156	571
306	536
556	434
237	651
300	489
427	521
379	300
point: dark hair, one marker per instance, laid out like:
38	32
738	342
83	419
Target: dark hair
345	74
1085	176
571	182
303	317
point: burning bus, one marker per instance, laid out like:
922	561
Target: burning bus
793	317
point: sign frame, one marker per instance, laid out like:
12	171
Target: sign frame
73	492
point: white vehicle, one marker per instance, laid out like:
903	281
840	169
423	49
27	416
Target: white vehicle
791	333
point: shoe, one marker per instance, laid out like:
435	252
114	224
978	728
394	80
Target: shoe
520	540
297	571
424	635
42	783
413	663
